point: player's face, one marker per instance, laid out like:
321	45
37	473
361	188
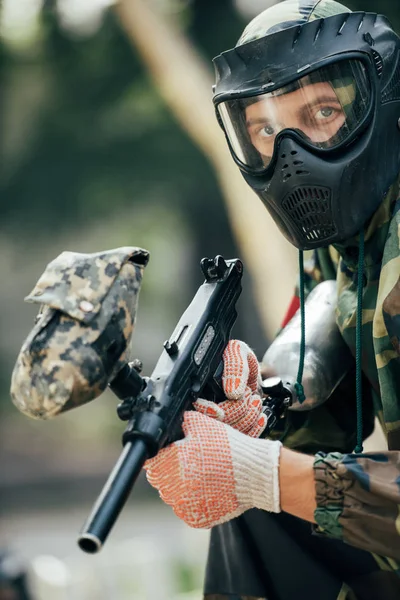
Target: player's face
314	110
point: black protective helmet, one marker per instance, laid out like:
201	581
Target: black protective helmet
309	100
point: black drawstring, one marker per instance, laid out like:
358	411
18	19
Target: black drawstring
298	386
360	274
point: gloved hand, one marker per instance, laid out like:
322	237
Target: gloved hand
241	382
215	473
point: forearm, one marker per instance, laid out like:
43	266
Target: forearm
353	497
358	499
297	486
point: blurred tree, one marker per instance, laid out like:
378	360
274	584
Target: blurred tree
85	137
389	8
97	108
185	82
214	26
85	134
88	134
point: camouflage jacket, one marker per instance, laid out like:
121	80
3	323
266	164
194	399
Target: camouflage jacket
358	495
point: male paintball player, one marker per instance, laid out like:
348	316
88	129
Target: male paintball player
309	101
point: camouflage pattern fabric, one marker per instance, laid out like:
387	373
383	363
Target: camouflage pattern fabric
290	13
359	495
82	333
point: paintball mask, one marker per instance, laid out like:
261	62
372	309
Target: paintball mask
82	332
309	101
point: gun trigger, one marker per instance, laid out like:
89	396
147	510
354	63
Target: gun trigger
218	373
196	385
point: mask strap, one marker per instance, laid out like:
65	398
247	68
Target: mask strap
298	386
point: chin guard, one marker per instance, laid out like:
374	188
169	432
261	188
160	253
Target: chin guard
82	333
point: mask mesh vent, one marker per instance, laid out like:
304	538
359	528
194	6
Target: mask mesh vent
392	90
378	62
309	209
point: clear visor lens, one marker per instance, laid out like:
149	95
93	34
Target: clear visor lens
325	107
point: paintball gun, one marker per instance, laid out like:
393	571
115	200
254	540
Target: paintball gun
80	343
189	366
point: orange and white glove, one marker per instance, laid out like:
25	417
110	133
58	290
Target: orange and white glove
215	473
241	382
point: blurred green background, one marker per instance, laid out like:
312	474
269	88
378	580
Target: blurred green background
93	157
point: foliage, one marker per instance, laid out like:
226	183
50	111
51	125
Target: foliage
101	138
385	7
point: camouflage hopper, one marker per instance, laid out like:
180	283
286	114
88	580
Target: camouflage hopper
83	330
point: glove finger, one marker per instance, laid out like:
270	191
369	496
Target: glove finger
235	410
253	411
197	426
259	427
211	409
171	493
254	378
165	459
164	473
243	415
241	368
158	468
255	421
158	459
236	369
